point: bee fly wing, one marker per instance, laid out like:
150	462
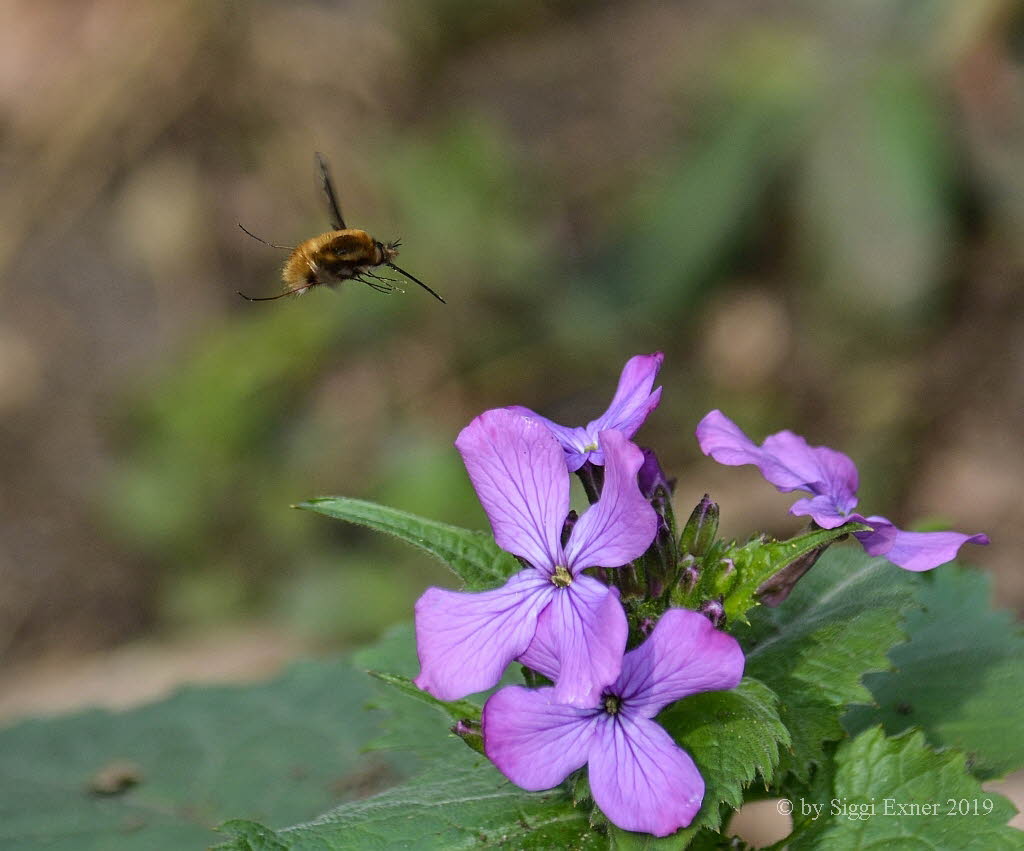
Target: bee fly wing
337	222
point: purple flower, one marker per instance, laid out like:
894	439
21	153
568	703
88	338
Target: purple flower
788	462
465	640
633	401
639	777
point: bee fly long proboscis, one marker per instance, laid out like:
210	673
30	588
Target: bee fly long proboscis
341	254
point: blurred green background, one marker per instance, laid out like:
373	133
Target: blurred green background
816	210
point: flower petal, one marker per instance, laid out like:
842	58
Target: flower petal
535	742
822	510
465	641
915	551
518	470
620	526
641	779
785	459
579	641
683	655
572	440
633	399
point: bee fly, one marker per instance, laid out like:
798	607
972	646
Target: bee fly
341	254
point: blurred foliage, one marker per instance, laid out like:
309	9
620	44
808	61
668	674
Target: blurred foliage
814	211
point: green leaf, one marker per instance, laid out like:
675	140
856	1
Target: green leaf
813	650
460	802
911	797
456	709
626	840
278	752
472	556
252	836
957	676
733	736
420	726
394	651
757	561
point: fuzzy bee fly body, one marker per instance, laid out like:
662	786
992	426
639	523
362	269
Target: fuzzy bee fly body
342	254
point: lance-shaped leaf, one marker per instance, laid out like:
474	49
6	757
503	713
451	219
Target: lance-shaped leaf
457	710
470	555
463	714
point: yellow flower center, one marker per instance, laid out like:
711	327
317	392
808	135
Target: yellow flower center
612	704
561	578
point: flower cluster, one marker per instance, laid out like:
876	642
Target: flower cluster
605	669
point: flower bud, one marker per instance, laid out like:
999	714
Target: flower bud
714	611
651	477
774	590
701	529
689	574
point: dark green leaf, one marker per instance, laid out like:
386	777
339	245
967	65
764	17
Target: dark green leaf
957	676
813	650
278	752
456	710
733	736
472	556
626	840
394	651
460	802
943	806
419	726
252	836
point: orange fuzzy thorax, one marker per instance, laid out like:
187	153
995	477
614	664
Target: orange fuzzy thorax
331	258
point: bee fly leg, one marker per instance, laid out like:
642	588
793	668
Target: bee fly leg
390	283
379	287
258	239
